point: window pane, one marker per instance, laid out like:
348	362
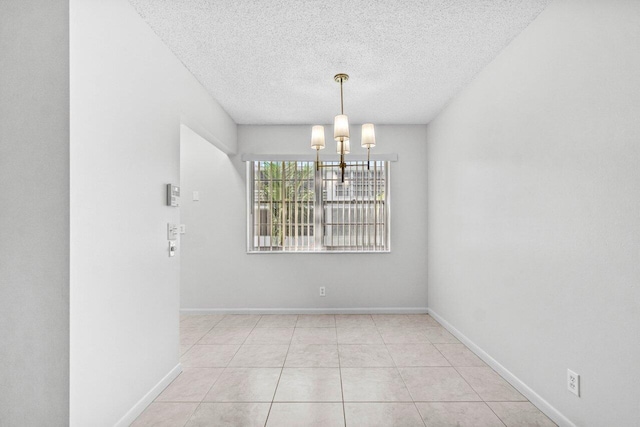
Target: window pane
355	210
283	206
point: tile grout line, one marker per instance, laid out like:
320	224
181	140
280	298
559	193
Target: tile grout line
344	412
474	390
405	384
224	368
212	384
198	340
280	376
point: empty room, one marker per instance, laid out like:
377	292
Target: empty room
320	213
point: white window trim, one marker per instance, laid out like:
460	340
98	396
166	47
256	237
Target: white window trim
250	190
252	157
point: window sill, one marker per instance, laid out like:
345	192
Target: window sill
318	252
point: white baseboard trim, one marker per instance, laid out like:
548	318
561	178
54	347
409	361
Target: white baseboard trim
146	400
368	310
518	384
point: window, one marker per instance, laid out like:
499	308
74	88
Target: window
295	208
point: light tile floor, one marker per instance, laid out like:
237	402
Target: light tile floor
326	370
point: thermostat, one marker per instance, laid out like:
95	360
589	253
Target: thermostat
173	195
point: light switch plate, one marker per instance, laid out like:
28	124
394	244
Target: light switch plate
183	229
172	231
196	196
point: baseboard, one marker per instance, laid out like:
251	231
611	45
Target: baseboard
518	384
146	400
368	310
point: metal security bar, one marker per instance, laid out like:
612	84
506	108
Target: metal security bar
355	212
296	208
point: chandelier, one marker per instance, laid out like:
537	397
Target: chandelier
341	133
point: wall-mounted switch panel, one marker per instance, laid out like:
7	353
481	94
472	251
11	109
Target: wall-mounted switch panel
196	196
173	195
172	231
183	229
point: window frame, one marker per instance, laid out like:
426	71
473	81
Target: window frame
319	207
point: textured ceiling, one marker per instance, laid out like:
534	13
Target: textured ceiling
272	62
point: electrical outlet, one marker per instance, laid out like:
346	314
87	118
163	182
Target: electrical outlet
323	292
573	382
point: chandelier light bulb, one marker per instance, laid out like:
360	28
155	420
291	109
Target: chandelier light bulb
341	127
368	136
317	137
347	146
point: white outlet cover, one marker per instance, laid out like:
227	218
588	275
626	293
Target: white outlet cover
573	382
196	196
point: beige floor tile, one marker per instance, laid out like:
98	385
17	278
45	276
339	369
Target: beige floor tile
316	321
520	414
440	336
489	385
422	320
277	321
230	415
382	415
459	355
260	356
200	321
437	384
244	385
219	335
390	320
416	355
309	385
270	336
312	356
373	385
208	356
165	415
314	336
191	385
359	336
403	335
354	321
307	414
184	349
458	414
190	336
364	356
239	320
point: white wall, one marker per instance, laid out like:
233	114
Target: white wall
129	95
534	203
217	273
34	211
